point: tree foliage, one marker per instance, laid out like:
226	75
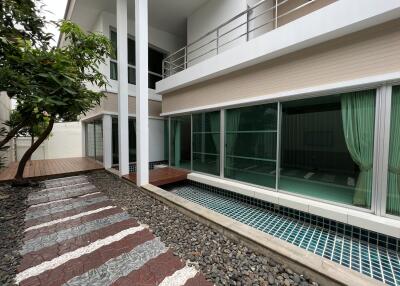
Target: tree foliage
52	83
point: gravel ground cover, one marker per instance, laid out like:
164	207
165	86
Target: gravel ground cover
223	261
12	214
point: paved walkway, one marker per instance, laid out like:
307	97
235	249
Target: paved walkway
75	236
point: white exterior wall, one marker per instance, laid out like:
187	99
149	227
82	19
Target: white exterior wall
208	17
65	142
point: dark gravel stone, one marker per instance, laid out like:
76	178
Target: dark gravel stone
223	261
12	214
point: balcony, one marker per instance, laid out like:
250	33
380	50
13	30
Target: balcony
263	17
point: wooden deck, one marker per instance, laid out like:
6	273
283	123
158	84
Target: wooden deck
162	176
40	169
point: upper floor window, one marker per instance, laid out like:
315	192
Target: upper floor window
155	62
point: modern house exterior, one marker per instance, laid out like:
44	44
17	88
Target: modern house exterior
293	102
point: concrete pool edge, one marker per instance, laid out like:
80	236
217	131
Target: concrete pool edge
320	269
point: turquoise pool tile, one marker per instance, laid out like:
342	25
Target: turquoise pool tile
335	242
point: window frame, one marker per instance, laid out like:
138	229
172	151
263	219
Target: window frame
380	158
115	61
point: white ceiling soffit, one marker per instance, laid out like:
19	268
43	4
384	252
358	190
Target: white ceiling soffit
166	15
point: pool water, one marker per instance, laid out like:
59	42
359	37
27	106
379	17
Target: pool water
369	253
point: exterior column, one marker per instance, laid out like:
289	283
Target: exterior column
122	55
142	90
107	141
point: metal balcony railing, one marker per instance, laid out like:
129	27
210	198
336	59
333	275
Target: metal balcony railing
253	22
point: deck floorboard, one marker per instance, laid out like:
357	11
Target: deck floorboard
40	169
162	176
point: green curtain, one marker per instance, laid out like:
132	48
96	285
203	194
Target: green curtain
358	116
232	126
393	197
215	128
177	143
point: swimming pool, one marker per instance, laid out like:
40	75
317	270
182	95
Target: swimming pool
367	252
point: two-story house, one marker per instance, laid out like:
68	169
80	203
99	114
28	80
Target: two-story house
293	102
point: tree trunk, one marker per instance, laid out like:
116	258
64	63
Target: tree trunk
18	180
13	132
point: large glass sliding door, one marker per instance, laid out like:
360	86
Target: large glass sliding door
250	144
393	192
181	142
90	149
327	147
94	140
132	140
98	132
206	142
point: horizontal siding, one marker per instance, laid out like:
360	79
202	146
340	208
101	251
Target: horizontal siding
110	104
369	52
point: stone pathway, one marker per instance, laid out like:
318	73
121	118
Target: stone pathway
75	236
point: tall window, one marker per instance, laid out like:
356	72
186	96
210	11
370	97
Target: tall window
166	139
155	62
180	142
132	140
393	193
327	147
94	140
250	144
206	138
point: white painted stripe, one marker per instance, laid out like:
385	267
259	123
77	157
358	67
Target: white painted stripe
69	218
64	186
62	200
60	260
65	178
180	277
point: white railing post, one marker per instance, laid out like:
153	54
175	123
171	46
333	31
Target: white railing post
122	55
142	93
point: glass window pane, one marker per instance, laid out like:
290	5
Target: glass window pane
393	192
155	61
153	79
327	147
113	70
250	144
90	149
166	140
180	142
115	155
206	142
131	52
99	140
131	75
113	39
132	140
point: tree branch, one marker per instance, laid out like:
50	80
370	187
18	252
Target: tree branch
13	132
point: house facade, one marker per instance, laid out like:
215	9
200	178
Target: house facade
293	102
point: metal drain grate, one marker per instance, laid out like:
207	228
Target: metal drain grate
378	262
